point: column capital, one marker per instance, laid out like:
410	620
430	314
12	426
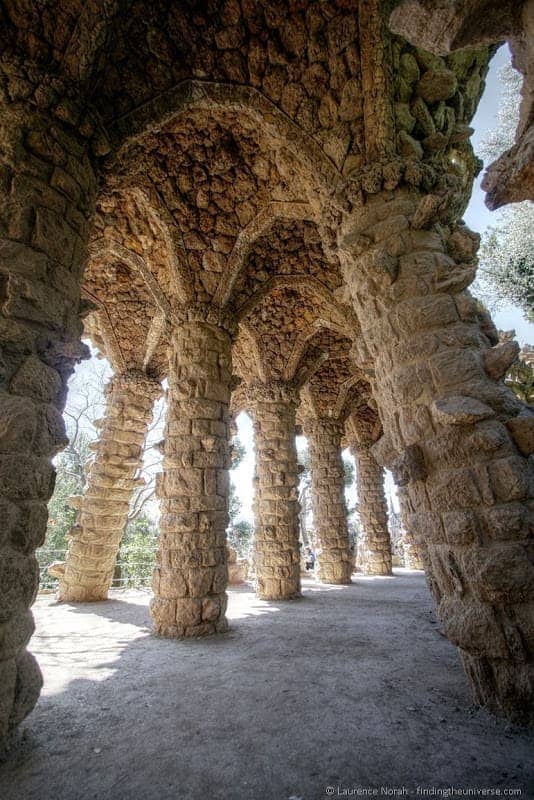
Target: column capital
272	392
136	380
317	426
209	314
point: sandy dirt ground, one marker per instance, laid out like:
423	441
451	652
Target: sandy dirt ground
351	691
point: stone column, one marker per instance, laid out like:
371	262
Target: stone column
413	550
454	436
47	189
191	571
276	508
103	509
328	499
412	556
374	550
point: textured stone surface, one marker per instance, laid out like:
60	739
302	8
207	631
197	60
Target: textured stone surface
44	225
374	548
276	508
444	28
334	564
191	571
297	170
95	538
430	352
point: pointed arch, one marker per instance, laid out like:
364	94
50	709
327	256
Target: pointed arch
256	228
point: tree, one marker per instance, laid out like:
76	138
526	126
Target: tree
61	517
520	377
240	531
507	260
137	553
506	253
240	537
502	136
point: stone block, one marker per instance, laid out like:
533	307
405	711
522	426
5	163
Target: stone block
509	522
455	368
461	527
459	410
522	430
473	626
509	478
501	574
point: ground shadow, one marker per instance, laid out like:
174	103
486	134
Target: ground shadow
324	692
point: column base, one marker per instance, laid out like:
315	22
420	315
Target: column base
377	570
278	589
79	594
502	687
19	692
188	618
335	574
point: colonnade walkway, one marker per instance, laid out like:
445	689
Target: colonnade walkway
350	687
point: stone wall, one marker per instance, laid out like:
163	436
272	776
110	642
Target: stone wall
242	133
456	28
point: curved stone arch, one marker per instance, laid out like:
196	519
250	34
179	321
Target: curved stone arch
102	320
154	207
344	392
303	283
238	402
103	249
257	350
257	227
155	333
195	95
310	371
358	431
302	341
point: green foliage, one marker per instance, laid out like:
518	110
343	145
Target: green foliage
234	504
239	533
61	517
240	537
137	553
520	379
507	259
239	452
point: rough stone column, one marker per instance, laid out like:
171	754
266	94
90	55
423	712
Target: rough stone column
103	508
454	436
413	556
328	499
191	571
276	508
375	554
47	191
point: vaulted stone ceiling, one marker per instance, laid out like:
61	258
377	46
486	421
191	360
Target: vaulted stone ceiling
228	121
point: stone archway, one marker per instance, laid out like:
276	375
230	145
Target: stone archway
197	125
